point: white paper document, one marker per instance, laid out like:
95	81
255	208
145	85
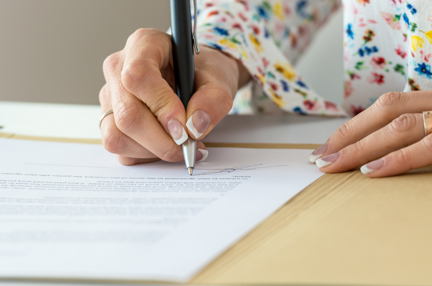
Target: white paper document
72	211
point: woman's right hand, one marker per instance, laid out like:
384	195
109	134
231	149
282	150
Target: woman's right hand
149	121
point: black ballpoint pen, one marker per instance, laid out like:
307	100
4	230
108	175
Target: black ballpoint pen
183	44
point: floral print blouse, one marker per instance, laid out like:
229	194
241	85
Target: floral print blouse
387	47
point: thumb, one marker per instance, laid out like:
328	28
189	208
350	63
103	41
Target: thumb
216	82
206	109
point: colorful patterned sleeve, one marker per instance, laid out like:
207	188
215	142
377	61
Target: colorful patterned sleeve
268	37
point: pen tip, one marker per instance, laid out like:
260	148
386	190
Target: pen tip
190	171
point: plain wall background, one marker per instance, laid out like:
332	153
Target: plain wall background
53	50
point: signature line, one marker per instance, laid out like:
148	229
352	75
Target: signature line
240	168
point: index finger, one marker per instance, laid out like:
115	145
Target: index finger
147	55
382	112
216	88
134	119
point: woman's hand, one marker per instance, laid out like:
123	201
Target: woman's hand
386	139
150	122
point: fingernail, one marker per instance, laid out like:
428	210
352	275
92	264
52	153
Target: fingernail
318	152
327	160
177	132
204	154
372	166
198	123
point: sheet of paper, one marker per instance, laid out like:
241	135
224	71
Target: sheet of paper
71	211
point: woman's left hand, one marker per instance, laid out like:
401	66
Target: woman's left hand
386	139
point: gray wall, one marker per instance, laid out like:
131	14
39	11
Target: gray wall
52	50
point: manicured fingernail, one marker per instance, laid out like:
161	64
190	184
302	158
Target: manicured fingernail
177	132
198	123
327	160
204	154
318	152
372	166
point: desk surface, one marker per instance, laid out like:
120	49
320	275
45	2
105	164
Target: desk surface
344	229
81	121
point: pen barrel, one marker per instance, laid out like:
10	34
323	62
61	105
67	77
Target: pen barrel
182	47
189	152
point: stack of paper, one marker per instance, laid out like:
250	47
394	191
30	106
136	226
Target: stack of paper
71	211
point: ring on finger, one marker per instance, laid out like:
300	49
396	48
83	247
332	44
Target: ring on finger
427	122
103	116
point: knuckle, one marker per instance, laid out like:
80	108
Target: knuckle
140	33
110	63
113	141
346	130
104	94
388	100
161	103
403	123
126	116
401	157
171	154
360	146
135	73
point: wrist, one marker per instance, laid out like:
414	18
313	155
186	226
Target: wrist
244	75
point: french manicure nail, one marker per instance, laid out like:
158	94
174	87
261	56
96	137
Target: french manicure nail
204	153
327	160
198	123
177	132
372	166
318	152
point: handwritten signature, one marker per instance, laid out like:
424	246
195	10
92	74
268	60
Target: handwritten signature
239	168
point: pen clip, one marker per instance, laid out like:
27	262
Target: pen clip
194	35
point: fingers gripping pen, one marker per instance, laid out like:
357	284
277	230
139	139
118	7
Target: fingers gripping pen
183	44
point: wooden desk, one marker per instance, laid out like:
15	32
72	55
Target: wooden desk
343	229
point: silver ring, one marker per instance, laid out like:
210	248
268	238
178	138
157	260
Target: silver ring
103	116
